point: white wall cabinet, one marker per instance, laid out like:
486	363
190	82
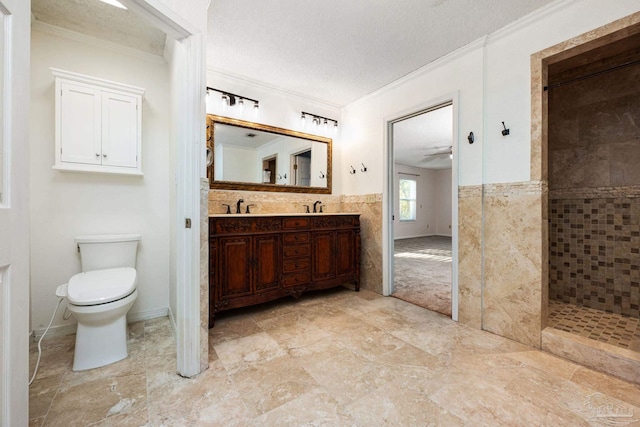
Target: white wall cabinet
98	125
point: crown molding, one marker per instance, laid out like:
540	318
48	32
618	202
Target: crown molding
93	41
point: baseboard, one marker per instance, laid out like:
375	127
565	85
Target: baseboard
54	331
422	235
139	316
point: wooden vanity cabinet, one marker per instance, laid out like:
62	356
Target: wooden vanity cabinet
254	259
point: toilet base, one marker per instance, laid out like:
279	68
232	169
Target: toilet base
101	337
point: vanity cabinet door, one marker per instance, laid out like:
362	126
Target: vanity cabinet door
267	262
346	258
234	274
323	252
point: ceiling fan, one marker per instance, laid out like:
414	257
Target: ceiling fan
445	150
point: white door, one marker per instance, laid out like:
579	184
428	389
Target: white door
14	211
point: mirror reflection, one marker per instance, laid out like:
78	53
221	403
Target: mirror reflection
245	155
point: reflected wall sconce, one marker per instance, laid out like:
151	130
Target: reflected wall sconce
231	99
318	120
322	175
505	131
364	168
352	171
283	176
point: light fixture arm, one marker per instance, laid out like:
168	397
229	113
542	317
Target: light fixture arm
232	96
319	119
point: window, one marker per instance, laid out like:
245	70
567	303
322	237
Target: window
407	199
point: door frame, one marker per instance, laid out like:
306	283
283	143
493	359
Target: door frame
188	118
389	191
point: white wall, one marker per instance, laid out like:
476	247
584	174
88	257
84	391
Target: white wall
68	204
433	203
365	120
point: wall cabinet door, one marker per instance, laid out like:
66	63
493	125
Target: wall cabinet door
79	123
119	130
267	262
323	250
234	271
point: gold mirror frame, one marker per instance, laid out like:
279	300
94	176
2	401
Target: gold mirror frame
233	185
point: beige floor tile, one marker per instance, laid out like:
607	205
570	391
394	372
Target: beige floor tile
272	384
246	352
336	358
96	400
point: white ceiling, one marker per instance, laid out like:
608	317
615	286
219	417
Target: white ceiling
338	51
96	19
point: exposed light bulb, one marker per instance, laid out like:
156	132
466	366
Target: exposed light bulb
326	124
240	104
451	155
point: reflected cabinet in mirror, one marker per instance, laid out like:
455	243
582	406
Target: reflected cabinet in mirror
250	156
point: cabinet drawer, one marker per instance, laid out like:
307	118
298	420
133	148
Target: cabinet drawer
295	237
296	265
293	279
297	250
295	223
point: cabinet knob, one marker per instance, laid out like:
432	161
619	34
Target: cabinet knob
97	154
104	155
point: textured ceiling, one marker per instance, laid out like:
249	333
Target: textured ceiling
102	21
338	51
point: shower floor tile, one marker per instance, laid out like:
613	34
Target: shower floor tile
611	328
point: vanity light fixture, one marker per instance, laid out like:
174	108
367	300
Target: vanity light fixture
317	120
231	99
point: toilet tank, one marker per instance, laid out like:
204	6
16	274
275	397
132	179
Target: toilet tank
107	251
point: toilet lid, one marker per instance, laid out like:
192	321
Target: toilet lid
101	286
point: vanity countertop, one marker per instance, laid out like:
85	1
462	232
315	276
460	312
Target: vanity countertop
280	214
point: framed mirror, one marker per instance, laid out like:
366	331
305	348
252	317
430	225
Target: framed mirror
243	155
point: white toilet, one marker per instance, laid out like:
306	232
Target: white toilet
100	297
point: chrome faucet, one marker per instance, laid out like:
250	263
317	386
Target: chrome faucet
238	205
315	206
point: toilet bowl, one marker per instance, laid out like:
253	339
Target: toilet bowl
100	297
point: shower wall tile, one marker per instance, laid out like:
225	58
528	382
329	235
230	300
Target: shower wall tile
594	250
513	259
470	256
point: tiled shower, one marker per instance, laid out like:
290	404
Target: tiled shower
594	194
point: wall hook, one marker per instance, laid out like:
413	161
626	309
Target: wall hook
283	176
505	131
352	171
471	138
364	168
321	175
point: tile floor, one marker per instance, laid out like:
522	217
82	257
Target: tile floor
336	358
611	328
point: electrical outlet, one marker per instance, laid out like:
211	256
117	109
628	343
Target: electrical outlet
370	198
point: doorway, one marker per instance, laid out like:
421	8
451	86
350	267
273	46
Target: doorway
301	168
422	197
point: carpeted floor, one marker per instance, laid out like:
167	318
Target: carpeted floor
422	272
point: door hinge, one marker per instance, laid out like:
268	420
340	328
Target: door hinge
187	223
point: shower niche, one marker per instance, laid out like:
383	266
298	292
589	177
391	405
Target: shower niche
593	125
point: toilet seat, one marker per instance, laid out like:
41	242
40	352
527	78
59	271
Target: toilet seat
101	286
